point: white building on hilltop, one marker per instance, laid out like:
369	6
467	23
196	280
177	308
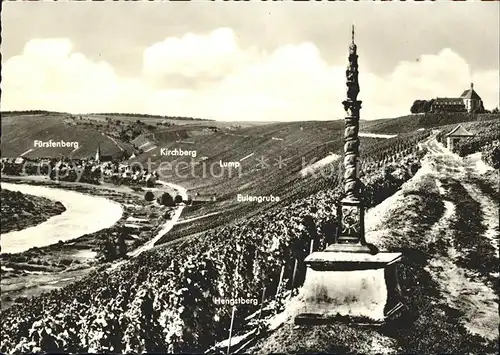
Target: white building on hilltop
469	102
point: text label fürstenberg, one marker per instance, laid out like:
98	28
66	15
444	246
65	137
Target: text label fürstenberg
55	144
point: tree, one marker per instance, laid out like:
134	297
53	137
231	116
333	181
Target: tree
427	105
166	199
421	106
122	245
416	107
108	249
149	196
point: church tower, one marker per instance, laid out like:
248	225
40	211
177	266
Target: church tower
98	153
472	101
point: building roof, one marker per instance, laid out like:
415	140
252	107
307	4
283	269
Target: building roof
459	131
470	93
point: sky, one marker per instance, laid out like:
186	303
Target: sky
252	61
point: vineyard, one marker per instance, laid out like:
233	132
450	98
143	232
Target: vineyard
291	187
410	123
163	300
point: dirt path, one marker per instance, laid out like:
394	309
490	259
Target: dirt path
461	288
490	213
188	220
166	227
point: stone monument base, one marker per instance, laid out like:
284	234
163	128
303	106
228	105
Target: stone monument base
354	287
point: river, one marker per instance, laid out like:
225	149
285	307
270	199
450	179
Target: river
84	214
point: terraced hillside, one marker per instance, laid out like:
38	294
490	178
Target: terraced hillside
271	156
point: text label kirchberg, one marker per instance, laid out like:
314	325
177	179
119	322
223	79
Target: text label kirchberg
178	152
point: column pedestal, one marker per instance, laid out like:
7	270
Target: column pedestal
357	287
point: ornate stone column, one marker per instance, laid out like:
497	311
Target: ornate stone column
351	212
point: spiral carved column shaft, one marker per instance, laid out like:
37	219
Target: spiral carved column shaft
351	139
352	211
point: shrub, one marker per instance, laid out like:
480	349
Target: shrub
178	199
122	245
149	196
66	262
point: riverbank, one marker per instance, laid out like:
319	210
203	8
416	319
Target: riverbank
20	211
38	269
